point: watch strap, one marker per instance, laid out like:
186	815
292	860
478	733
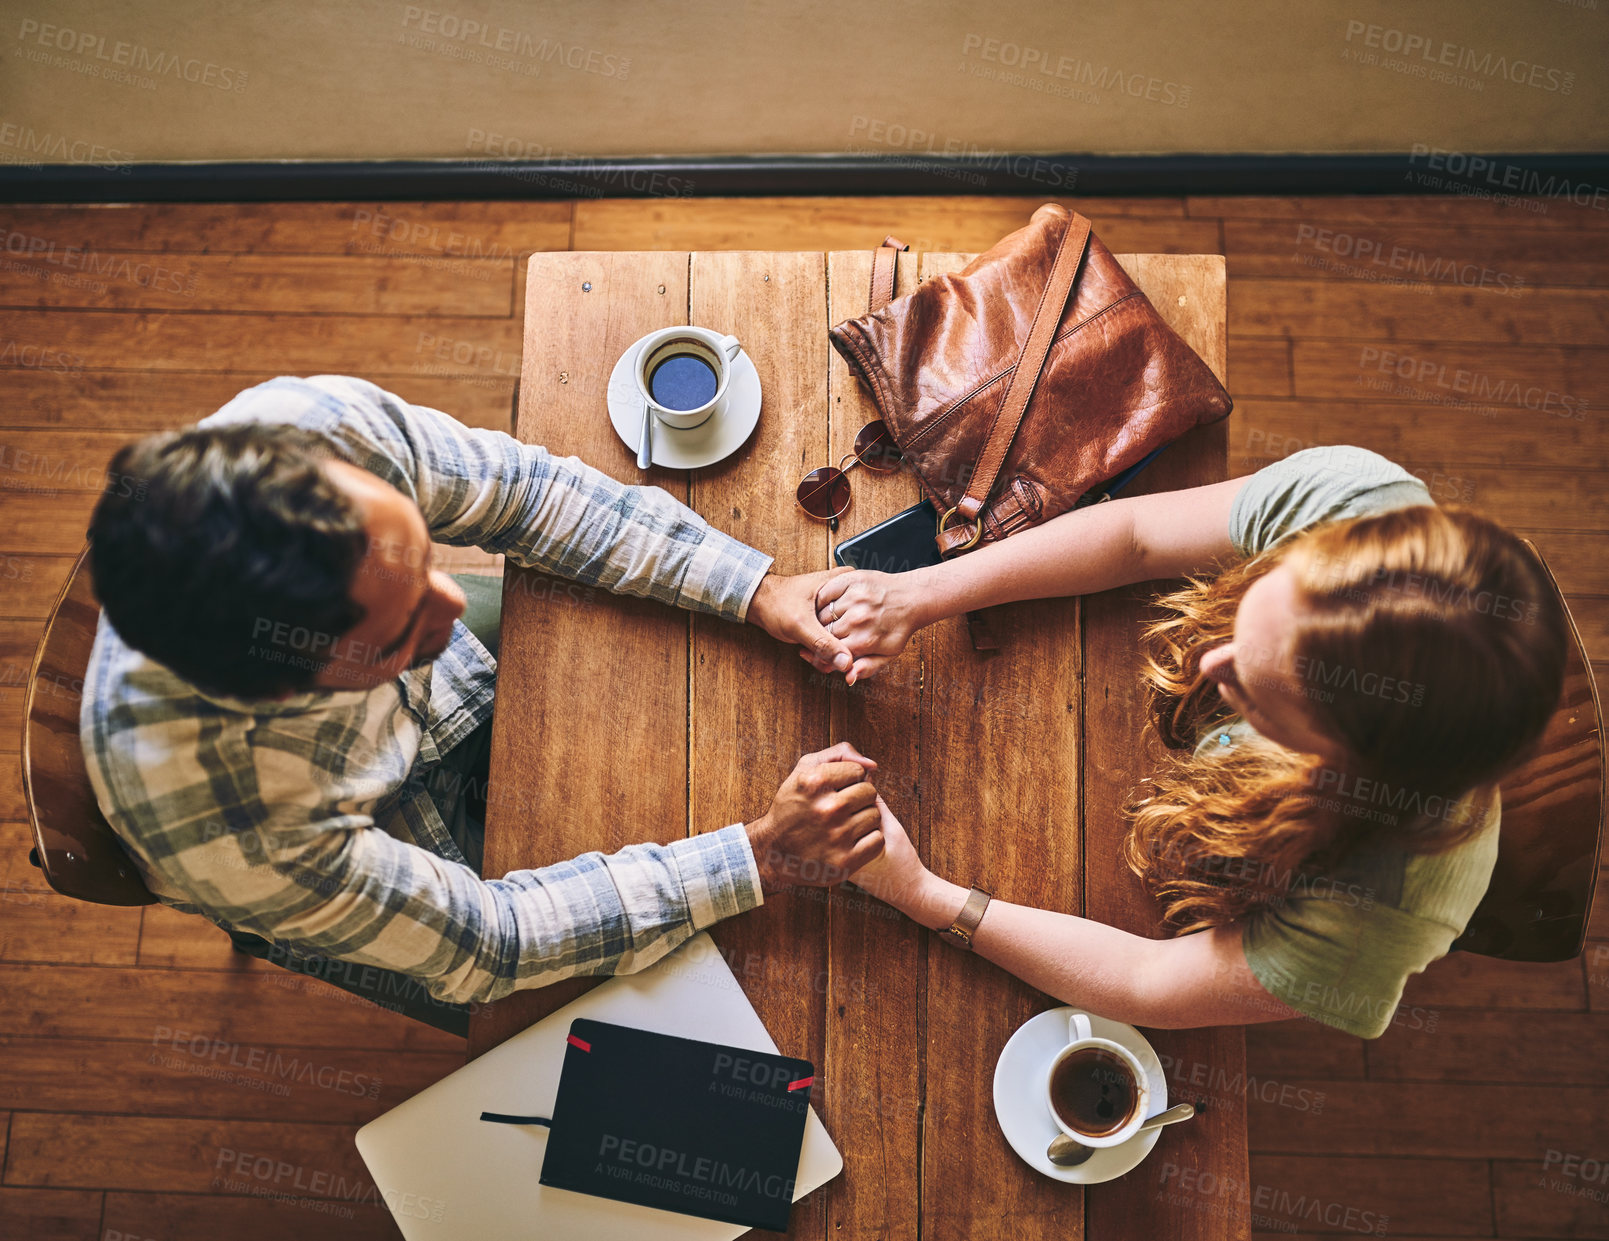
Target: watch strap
965	926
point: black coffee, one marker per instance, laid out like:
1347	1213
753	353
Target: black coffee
1093	1092
682	381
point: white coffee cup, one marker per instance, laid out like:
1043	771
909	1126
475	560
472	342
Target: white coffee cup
1081	1038
714	351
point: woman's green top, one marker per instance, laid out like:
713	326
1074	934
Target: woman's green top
1339	947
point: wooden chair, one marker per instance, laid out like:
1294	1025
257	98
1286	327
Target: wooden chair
1536	907
73	844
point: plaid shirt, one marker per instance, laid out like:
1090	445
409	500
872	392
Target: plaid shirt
305	820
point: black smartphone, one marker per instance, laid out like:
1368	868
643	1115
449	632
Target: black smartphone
904	542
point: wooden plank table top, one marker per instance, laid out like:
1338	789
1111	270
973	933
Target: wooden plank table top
620	720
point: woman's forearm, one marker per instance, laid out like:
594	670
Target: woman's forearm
1198	980
1078	553
1078	961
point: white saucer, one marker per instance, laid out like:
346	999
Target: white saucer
1019	1097
713	440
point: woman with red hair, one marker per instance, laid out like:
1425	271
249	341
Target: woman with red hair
1344	678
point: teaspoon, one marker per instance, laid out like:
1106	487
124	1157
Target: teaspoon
1066	1152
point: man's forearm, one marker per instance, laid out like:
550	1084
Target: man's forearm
1078	553
636	540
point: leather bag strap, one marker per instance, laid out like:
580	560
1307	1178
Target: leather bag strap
1047	318
884	260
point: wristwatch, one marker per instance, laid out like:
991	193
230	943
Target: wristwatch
965	926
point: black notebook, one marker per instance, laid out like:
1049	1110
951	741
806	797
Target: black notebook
677	1124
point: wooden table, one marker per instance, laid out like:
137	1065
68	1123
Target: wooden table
620	720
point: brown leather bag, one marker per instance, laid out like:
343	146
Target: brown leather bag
1032	375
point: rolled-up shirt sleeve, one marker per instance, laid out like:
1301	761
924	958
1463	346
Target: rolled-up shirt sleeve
484	488
347	890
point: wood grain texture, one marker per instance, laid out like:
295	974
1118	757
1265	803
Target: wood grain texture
383	285
1361	310
1373	251
876	1032
12	805
389	349
746	691
51	461
1317	1117
1492	1045
148	1152
51	1214
279	1008
1528	383
38	924
49	523
1263	429
29	584
966	223
196	1217
1330	1194
1290	1049
581	665
1463	979
1260	367
1418	209
182	1069
448	229
1595	961
1552	1196
138	401
1592	620
1576	558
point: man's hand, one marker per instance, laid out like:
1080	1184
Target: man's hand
873	614
785	607
823	822
897	874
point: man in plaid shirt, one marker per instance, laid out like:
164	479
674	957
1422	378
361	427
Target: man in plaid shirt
279	670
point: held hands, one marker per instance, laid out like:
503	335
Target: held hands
823	823
785	607
872	614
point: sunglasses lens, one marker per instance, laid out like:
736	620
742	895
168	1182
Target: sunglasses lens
875	448
824	493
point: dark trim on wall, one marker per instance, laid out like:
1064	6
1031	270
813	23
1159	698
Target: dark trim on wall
1581	178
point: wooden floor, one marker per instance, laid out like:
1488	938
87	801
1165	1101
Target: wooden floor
154	1085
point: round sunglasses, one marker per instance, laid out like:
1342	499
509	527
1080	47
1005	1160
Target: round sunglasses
824	493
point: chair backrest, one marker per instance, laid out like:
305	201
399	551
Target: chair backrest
73	843
1537	905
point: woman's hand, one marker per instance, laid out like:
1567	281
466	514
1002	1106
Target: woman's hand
896	875
785	608
874	614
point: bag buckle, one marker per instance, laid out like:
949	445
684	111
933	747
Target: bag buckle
976	534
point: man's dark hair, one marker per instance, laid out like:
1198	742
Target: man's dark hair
232	561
